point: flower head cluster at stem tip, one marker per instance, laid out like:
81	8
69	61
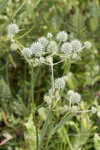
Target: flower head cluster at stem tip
62	36
66	48
59	83
12	30
76	45
74	97
43	41
46	46
37	49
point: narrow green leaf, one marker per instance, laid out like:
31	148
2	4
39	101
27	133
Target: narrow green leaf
45	127
61	123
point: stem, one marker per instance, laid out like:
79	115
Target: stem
33	108
32	89
69	143
70	105
25	81
67	67
52	78
37	140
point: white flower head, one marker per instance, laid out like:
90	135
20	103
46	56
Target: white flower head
59	83
76	45
26	52
94	109
70	92
74	97
52	47
43	41
12	30
49	35
87	44
66	48
37	49
62	36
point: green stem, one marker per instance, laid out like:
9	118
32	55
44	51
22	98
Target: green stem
25	81
37	140
67	67
32	89
33	107
69	143
52	78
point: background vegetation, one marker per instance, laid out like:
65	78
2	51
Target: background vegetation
35	18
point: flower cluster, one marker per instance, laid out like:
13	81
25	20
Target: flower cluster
74	97
46	46
12	30
43	41
37	49
62	36
59	83
52	47
66	48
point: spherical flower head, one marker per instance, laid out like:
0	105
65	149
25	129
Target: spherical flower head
12	30
74	97
37	49
87	44
59	83
26	52
66	48
49	35
62	36
94	110
43	41
76	46
52	47
70	92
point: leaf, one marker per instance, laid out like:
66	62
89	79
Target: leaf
60	124
4	89
93	24
3	5
31	133
45	127
97	142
